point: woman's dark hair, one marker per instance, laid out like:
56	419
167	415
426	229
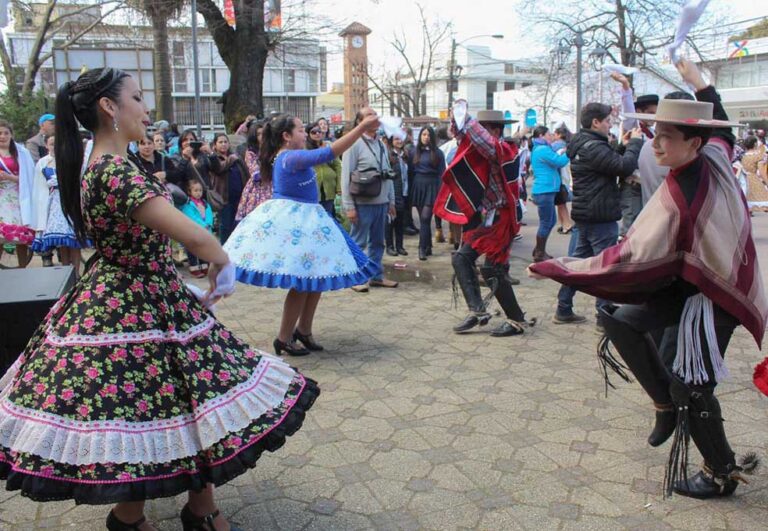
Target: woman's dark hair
252	139
564	133
327	135
594	111
174	128
311	144
78	101
151	136
749	143
434	158
216	139
184	135
689	132
540	130
12	146
272	142
442	133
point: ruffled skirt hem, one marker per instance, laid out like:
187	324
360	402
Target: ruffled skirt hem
41	488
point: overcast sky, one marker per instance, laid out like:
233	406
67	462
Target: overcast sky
473	17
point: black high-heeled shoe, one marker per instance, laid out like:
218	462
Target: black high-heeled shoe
307	341
192	522
291	349
115	524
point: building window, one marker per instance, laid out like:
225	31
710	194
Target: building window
509	68
527	84
178	53
490	88
207	80
289	80
455	84
509	85
179	80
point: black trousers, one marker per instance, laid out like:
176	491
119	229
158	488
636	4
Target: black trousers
496	277
394	231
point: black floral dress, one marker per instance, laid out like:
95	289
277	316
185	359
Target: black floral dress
130	389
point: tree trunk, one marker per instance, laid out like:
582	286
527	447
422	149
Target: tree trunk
162	68
246	94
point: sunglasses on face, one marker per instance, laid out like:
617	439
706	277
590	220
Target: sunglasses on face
315	132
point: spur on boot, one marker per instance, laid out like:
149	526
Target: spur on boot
290	348
114	524
705	484
508	328
192	522
666	420
307	341
471	321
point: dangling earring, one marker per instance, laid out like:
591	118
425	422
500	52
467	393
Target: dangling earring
114	124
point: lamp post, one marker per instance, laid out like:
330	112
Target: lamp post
453	69
562	52
196	72
597	58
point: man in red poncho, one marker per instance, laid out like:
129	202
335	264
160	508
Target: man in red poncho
480	193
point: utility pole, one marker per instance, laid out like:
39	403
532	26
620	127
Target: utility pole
451	74
196	72
579	42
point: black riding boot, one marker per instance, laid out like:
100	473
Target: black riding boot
720	475
639	352
498	281
464	270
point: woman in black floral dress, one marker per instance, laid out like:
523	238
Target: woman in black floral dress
131	390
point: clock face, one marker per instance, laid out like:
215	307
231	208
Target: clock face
357	41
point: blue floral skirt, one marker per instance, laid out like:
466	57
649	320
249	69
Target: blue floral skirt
293	245
58	232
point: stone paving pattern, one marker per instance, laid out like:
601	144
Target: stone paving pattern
418	428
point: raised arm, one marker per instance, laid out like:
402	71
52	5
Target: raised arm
627	101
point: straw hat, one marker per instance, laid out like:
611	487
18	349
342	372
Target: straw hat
684	112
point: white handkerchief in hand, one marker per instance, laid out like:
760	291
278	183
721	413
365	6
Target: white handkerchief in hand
225	281
460	113
621	69
200	295
392	126
689	16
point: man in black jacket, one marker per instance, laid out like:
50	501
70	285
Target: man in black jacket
595	168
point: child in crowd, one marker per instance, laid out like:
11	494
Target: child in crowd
198	210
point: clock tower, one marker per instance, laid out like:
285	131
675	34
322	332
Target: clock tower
355	68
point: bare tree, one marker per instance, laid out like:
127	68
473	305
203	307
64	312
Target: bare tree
68	22
160	13
245	47
405	87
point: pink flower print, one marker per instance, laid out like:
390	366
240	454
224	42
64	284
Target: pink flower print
125	476
166	389
118	354
231	358
61	365
136	231
113	303
243	373
114	182
92	372
74	329
136	286
174	285
217	348
83	410
182	306
47	470
50	353
153	265
153	288
39	388
147	318
205	375
195	315
143	406
84	296
132	318
123	227
139	352
129	387
224	376
108	390
88	322
100	288
192	355
67	394
49	401
78	358
28	376
152	370
250	354
225	334
233	442
111	201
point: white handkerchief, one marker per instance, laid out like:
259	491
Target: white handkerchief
225	281
689	16
200	295
621	69
392	126
460	113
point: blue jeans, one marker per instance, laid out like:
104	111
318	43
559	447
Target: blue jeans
545	203
593	238
368	232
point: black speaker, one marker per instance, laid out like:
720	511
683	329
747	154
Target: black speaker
26	295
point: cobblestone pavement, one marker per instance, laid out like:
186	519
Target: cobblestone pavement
420	429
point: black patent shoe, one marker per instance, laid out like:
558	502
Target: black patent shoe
422	255
391	251
705	485
114	524
471	321
508	328
402	252
290	348
307	341
192	522
666	420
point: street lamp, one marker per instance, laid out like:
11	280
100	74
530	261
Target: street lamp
453	69
597	58
561	54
